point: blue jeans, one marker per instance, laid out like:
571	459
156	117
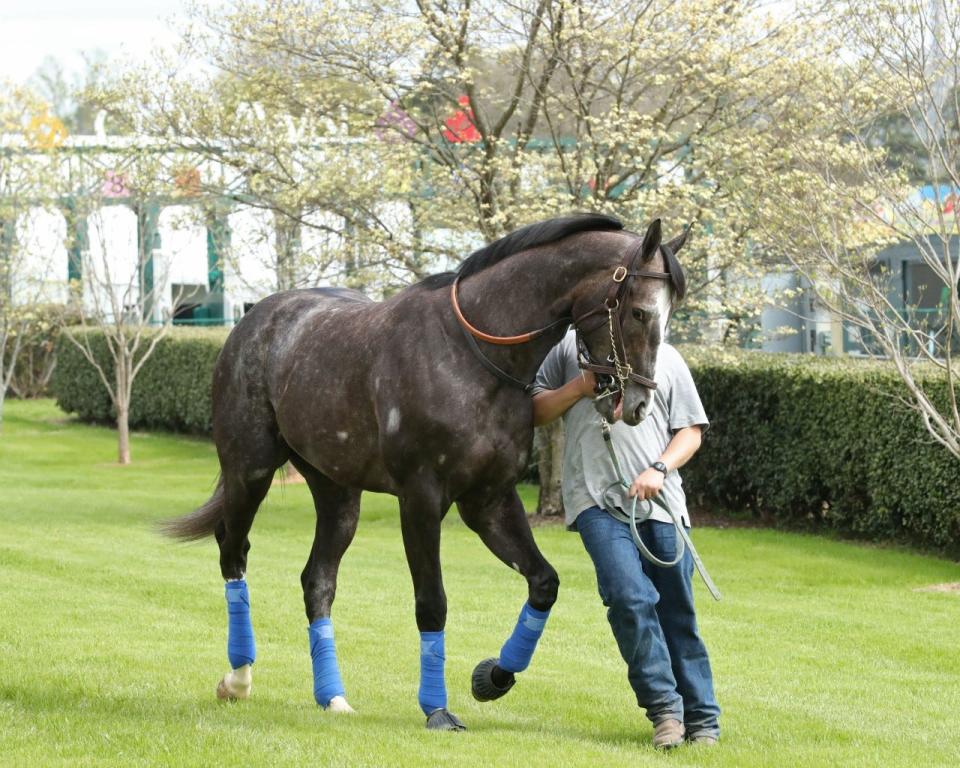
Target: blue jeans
651	613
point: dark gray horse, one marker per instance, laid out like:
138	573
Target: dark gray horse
399	396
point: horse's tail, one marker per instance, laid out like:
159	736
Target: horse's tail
200	523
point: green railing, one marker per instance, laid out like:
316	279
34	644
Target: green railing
199	321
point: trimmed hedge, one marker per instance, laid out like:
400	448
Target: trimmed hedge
825	441
796	439
172	391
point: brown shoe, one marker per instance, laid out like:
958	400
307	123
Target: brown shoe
668	734
702	739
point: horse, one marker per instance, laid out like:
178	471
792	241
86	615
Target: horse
398	396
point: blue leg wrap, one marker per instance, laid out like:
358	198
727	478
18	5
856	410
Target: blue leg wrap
433	688
518	650
326	673
241	648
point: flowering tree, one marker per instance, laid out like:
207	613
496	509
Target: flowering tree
28	146
322	200
126	304
902	82
480	115
409	134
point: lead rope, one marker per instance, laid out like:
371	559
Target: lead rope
685	541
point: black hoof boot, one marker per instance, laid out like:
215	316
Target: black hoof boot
442	720
482	684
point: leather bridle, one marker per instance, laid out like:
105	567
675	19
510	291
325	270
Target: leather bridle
613	375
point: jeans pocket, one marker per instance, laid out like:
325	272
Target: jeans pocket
662	540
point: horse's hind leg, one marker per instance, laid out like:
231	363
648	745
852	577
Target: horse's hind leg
422	508
502	525
338	510
242	494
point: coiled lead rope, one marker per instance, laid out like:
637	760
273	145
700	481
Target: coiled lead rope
632	519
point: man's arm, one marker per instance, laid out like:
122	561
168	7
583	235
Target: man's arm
553	403
682	446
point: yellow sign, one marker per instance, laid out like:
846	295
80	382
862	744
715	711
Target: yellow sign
47	131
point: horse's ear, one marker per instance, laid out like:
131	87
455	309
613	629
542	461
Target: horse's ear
651	240
677	243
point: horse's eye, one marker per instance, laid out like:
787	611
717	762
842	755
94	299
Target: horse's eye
640	315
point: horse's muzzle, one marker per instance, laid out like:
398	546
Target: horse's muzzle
608	404
636	405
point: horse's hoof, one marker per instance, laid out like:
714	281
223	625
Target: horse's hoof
236	684
339	705
442	720
482	685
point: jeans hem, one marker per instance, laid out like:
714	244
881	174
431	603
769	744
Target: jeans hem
693	733
658	716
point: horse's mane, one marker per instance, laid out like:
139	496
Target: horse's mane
530	236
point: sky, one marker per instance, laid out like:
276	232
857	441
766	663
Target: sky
31	30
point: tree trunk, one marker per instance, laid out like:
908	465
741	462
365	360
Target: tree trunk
549	440
6	371
291	474
123	434
123	392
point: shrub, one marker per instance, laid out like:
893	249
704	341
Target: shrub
37	358
801	439
172	390
793	438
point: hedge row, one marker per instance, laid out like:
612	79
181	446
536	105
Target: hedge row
172	391
823	440
794	438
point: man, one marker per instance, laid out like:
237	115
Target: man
650	609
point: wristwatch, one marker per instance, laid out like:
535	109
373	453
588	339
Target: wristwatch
660	467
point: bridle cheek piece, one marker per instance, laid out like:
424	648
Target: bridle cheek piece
613	376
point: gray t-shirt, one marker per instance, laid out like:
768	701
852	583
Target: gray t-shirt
587	469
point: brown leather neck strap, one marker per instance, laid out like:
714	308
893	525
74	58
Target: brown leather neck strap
506	341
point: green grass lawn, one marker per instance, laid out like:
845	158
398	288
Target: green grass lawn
112	639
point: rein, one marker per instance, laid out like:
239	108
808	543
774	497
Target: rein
614	306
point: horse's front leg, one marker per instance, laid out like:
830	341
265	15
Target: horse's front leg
501	523
421	511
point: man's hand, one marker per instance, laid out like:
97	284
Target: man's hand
647	484
588	383
553	403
